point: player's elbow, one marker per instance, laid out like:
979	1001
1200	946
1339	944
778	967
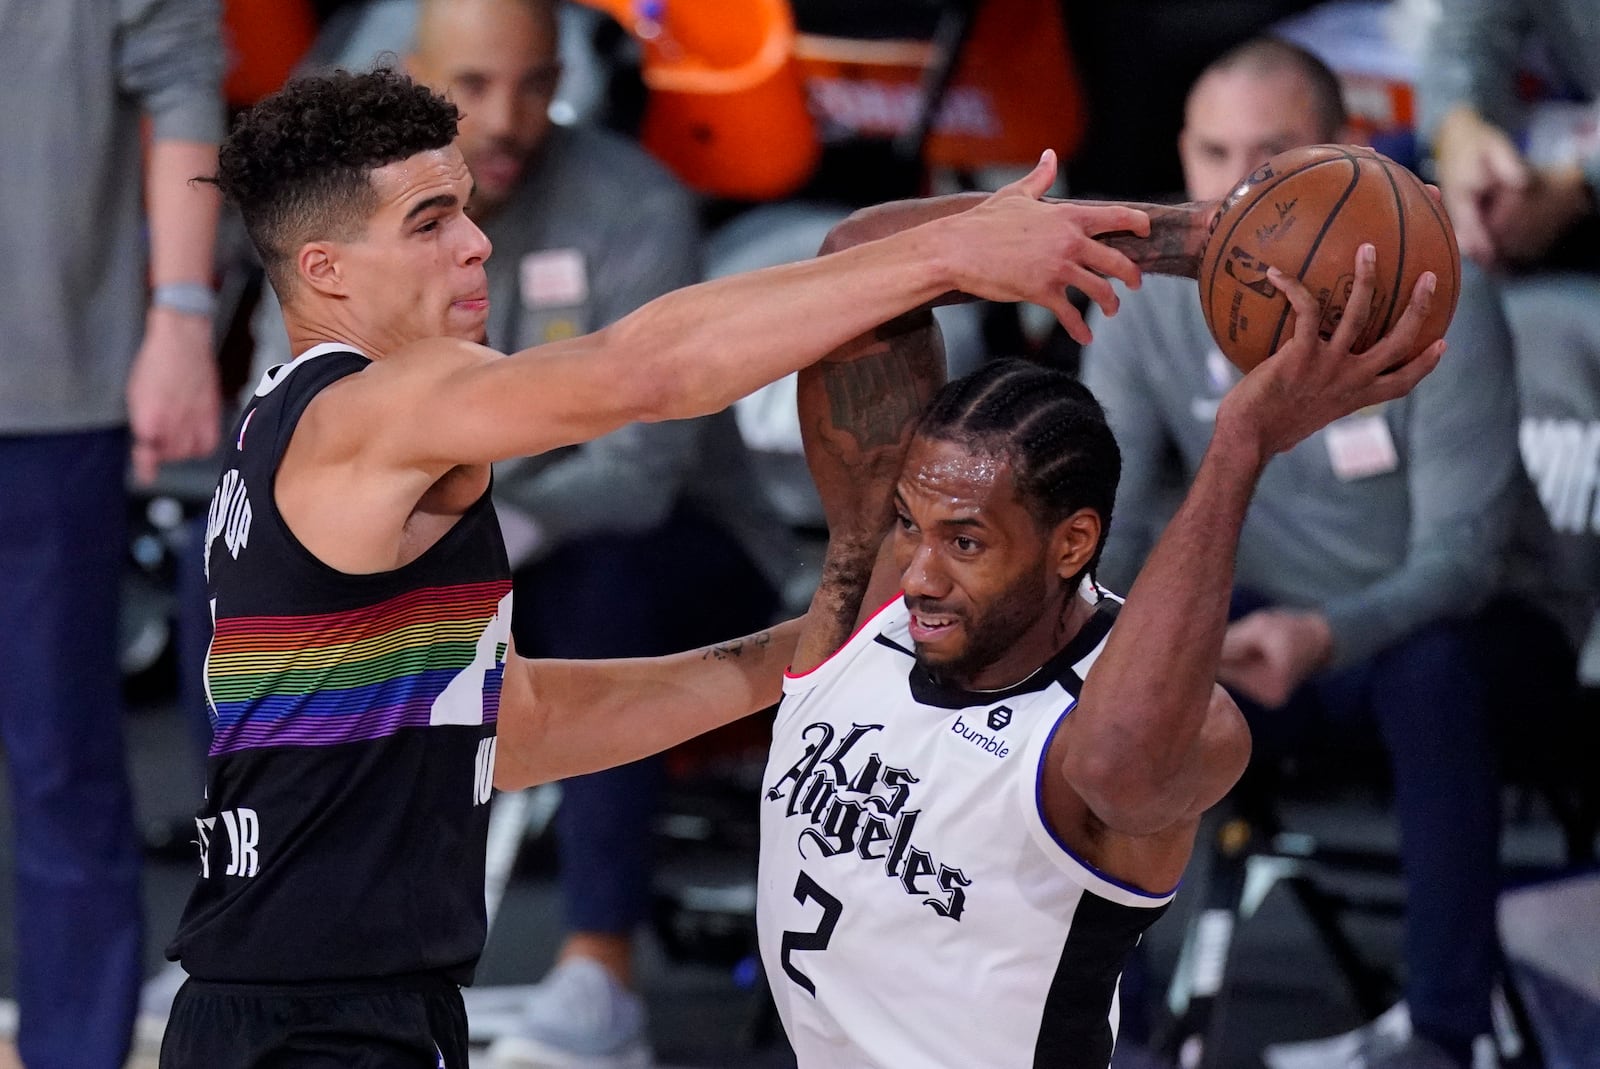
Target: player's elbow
1128	796
1135	791
1128	805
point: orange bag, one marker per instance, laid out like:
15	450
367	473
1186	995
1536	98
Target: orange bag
726	110
1015	90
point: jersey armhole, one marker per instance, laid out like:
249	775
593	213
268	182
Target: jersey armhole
1044	837
833	664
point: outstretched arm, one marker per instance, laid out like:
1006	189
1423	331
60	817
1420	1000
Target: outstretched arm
1174	244
697	350
1146	749
566	718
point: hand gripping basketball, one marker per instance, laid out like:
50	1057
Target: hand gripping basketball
1312	381
1304	212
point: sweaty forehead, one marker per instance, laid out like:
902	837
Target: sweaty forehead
956	473
427	174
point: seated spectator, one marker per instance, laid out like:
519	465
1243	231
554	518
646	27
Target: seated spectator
1520	181
1357	583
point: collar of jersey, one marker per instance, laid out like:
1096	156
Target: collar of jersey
929	690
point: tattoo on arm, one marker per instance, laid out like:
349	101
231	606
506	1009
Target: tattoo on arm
846	573
727	651
1176	243
858	411
874	397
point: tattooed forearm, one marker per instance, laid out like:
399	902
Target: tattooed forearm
874	397
1177	239
727	651
846	574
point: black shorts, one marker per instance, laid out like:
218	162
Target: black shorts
402	1023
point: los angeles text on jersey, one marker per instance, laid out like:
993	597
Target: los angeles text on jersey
855	806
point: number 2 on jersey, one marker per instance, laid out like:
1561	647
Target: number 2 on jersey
806	888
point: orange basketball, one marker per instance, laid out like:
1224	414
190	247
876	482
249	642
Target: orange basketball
1305	212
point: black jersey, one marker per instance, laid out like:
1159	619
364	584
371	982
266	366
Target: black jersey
350	770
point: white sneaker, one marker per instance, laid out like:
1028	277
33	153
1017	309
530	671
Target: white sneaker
1385	1042
1348	1051
578	1017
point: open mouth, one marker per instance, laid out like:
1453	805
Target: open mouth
930	627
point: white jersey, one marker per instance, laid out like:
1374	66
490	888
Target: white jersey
914	908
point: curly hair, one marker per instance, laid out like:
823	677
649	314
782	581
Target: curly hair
1048	425
298	164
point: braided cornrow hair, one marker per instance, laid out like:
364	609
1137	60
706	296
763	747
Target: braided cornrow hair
1047	424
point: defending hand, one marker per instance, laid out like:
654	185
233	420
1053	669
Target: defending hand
1016	247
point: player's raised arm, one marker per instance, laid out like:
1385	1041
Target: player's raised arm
858	408
1154	741
1170	239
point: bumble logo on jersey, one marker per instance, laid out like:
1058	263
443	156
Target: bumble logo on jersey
993	744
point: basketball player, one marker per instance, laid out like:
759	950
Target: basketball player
360	587
953	868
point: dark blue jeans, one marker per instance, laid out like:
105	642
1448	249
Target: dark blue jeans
684	584
78	921
1428	697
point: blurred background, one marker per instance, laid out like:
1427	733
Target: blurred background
772	120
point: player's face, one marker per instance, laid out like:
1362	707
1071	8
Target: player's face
1235	120
418	272
496	60
978	574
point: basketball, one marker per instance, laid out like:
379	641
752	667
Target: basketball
1306	212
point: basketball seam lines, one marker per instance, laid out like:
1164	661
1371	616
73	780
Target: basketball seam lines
1455	261
1244	211
1400	265
1311	250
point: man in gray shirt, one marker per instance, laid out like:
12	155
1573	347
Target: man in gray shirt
1521	180
101	332
1367	550
629	545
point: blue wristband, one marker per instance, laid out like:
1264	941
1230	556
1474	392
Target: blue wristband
186	298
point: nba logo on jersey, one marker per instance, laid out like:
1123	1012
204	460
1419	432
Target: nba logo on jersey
999	717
